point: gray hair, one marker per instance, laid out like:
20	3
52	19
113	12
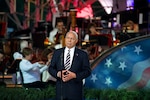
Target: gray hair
75	33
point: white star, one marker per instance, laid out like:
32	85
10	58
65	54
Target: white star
138	49
122	65
108	81
108	63
94	78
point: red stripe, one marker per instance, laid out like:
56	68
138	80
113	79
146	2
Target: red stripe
143	81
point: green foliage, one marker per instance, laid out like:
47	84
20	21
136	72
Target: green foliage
110	94
27	94
90	94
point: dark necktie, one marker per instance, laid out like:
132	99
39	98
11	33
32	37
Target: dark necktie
67	62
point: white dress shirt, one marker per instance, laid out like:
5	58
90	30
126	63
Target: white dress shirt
71	54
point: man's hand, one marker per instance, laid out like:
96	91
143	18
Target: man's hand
68	75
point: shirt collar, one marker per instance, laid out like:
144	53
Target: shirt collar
71	49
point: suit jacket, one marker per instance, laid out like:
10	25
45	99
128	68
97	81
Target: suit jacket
73	89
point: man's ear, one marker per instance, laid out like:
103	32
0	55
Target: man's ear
77	41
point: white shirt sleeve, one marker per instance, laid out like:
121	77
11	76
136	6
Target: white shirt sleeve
86	38
42	69
26	65
52	35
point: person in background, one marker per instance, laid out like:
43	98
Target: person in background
15	64
131	27
91	31
31	73
69	84
56	32
46	57
95	49
128	28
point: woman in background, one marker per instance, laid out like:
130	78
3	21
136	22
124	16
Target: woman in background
94	49
46	56
91	31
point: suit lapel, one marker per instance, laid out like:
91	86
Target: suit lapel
62	58
75	58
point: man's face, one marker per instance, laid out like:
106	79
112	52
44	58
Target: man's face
70	40
60	26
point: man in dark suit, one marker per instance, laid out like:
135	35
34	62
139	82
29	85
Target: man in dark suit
69	85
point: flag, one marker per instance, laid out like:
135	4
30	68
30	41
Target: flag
128	67
12	6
